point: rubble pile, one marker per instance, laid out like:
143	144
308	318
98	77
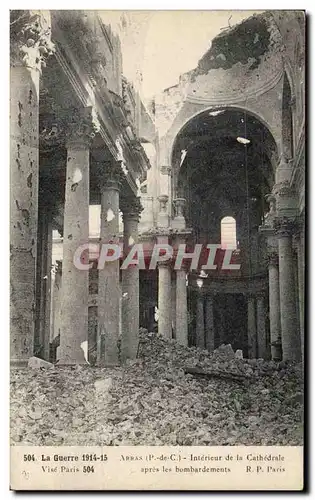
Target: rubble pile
169	395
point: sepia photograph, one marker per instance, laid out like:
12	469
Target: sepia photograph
157	239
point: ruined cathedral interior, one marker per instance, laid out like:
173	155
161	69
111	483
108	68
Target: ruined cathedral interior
218	158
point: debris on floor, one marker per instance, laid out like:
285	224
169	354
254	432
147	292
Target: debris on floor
170	395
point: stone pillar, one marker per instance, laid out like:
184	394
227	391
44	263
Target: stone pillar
164	300
173	299
130	285
209	324
291	344
301	263
274	307
75	281
48	292
30	44
181	308
200	322
42	275
261	327
109	290
44	282
251	326
55	302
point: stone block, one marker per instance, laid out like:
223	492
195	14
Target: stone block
35	362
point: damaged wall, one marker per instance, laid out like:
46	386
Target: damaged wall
243	64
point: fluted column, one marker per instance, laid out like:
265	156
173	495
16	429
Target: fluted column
164	300
261	326
181	308
291	344
200	321
251	327
109	290
29	45
209	324
274	306
75	280
130	284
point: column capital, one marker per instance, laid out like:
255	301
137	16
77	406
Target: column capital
282	188
165	263
273	258
165	170
131	208
285	226
109	175
30	38
82	128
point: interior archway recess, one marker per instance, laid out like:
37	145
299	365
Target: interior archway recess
223	161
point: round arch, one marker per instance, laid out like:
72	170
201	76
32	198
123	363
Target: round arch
176	132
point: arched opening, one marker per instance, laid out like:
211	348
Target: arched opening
224	175
228	233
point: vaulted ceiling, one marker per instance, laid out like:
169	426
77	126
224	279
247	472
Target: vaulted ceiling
220	168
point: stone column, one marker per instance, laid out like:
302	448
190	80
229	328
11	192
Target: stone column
301	263
173	299
75	281
41	277
274	307
130	285
291	343
251	325
44	285
200	322
181	308
109	290
164	300
30	44
48	292
209	324
261	327
55	302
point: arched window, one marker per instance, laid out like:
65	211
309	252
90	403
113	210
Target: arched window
228	233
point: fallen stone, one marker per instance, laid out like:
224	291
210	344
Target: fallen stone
239	354
265	391
35	362
102	388
224	351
